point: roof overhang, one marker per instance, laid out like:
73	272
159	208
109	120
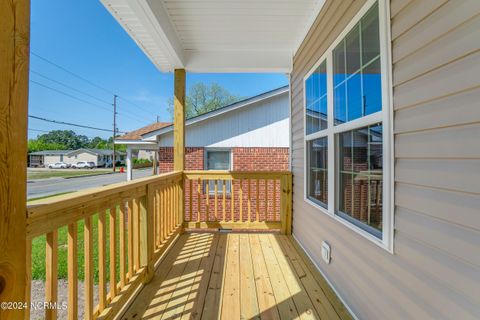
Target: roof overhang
217	36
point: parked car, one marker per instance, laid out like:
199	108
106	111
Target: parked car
118	163
83	165
58	165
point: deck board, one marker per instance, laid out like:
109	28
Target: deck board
235	276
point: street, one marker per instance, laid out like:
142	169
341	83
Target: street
46	187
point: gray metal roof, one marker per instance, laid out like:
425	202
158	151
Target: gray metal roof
50	152
103	152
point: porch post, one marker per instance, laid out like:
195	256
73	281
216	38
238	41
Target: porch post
14	63
129	164
179	134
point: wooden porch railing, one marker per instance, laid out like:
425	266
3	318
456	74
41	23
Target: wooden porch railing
126	227
142	218
238	200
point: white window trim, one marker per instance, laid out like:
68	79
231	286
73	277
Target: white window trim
385	117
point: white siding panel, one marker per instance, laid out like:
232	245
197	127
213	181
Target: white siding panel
263	124
435	269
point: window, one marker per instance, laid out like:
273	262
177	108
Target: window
348	139
217	160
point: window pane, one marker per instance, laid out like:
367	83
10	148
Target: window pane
372	87
317	171
218	160
360	177
362	73
316	99
354	97
352	46
339	63
370	35
340	104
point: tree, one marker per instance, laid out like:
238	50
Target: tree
202	98
69	140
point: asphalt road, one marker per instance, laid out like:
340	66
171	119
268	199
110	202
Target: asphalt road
46	187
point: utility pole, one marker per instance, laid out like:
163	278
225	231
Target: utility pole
114	130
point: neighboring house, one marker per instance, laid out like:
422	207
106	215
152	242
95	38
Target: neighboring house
100	157
249	135
46	157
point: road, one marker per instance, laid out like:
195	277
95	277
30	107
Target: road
46	187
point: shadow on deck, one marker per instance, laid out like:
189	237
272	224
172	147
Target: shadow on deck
236	276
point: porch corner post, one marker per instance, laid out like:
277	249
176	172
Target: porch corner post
129	164
179	134
14	64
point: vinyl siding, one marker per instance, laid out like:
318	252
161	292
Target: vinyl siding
262	124
435	269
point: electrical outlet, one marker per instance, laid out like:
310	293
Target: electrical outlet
326	252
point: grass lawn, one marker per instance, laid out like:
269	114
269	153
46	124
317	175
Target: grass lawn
32	175
39	246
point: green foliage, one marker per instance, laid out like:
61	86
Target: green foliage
141	161
202	98
69	140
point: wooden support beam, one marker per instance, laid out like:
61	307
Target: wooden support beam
14	64
179	135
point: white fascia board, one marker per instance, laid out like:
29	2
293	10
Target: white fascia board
217	112
129	142
311	20
243	61
151	29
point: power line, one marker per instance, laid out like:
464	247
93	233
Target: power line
37	130
82	100
71	73
69	95
69	87
72	124
88	81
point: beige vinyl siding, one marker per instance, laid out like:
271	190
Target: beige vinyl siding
434	272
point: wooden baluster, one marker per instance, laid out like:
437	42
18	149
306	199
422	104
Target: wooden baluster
136	235
232	201
249	200
170	209
274	181
131	272
198	199
158	214
122	245
224	203
163	213
207	202
102	274
266	200
240	196
216	199
190	199
258	201
72	272
88	253
51	264
113	252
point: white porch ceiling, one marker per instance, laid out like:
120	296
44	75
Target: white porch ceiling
217	35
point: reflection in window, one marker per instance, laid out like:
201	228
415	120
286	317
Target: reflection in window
360	177
356	66
316	100
318	173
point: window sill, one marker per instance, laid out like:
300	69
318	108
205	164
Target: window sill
379	242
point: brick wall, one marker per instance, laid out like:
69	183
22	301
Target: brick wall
244	159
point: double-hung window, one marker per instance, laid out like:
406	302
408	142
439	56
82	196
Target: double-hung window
348	140
218	159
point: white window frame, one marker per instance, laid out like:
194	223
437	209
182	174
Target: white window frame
205	159
385	116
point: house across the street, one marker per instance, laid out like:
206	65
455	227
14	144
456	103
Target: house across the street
249	135
100	157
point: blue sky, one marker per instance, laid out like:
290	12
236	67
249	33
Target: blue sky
84	38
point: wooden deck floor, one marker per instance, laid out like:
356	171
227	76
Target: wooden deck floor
236	276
